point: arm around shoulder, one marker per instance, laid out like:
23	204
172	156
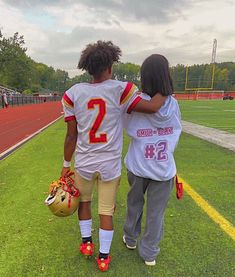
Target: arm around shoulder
151	106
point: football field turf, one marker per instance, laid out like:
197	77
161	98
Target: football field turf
36	243
211	113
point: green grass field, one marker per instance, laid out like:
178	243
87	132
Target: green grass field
35	243
211	113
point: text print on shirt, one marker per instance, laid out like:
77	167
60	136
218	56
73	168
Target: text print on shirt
159	132
156	151
93	137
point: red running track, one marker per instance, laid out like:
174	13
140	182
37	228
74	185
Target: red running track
17	123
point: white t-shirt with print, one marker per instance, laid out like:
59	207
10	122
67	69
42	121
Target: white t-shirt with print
154	138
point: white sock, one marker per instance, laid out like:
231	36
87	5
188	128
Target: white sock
85	228
105	238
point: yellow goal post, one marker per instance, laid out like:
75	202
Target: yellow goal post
199	88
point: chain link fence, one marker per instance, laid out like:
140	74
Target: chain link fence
14	98
17	100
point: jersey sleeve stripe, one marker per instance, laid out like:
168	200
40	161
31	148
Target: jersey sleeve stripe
67	101
127	93
69	118
133	104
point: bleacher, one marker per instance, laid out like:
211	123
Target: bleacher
15	98
8	90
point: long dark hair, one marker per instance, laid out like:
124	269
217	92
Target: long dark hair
155	76
97	57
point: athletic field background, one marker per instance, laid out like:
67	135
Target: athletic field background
36	243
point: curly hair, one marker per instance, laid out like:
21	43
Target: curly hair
97	57
155	76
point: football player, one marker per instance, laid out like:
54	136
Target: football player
93	112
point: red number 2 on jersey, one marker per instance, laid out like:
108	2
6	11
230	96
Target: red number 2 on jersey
93	137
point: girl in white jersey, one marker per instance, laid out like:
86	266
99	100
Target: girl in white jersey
150	163
93	112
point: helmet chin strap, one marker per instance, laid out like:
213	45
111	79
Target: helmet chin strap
63	198
68	185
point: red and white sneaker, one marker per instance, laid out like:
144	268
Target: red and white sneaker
103	264
87	248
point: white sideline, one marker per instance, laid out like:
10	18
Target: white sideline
10	150
216	136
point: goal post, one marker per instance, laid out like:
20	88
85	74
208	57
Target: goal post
212	77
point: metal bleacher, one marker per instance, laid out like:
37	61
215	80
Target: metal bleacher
16	98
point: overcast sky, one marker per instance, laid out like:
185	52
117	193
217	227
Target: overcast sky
56	31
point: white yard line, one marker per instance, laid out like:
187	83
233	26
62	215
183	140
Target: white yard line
203	107
221	138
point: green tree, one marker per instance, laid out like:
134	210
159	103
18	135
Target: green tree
19	71
14	63
61	79
127	72
178	76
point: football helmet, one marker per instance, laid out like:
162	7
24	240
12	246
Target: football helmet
63	199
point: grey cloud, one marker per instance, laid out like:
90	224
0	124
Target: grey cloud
175	55
107	22
63	50
149	10
111	22
225	55
194	48
29	3
116	22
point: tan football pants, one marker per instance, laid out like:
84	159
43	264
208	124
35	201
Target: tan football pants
107	191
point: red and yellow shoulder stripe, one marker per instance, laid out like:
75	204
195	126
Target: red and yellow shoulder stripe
133	104
127	93
67	101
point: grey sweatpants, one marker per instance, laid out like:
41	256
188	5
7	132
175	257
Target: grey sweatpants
158	193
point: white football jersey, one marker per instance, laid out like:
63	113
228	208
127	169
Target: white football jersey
98	110
154	138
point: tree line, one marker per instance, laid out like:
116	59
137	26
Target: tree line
18	71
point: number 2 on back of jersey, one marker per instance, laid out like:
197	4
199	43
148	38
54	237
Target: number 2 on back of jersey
93	136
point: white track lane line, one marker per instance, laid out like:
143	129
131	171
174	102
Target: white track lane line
10	150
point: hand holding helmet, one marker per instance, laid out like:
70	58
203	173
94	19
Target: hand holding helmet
63	199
